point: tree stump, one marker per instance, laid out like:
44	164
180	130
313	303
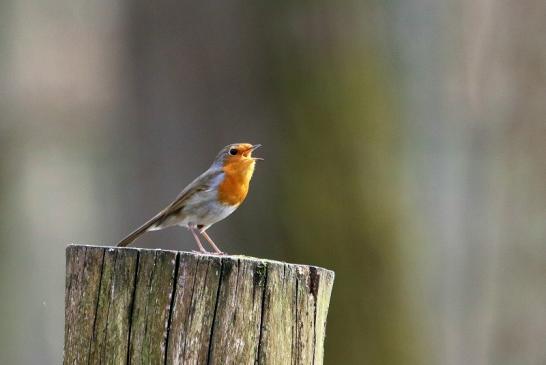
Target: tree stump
137	306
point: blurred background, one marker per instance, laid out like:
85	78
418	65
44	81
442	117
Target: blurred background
404	146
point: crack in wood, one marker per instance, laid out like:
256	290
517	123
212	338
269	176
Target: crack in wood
314	280
96	306
192	306
215	309
112	288
171	307
131	307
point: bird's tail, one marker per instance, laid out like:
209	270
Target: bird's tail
138	232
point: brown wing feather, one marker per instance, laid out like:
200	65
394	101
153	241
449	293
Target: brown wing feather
201	183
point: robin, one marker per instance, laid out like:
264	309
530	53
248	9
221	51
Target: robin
208	199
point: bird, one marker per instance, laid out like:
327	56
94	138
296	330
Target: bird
208	199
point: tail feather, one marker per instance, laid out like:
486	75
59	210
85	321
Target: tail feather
138	232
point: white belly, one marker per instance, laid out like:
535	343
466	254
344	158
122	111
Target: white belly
201	210
206	214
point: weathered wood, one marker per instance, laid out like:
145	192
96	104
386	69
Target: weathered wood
110	339
193	310
236	330
83	277
151	308
136	306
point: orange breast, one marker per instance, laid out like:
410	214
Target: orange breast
234	188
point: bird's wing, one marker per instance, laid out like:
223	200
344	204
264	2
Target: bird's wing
204	182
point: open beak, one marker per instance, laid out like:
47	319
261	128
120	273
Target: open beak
251	149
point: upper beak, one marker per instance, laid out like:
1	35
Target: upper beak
251	149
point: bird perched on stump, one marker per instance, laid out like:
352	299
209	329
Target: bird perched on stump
209	198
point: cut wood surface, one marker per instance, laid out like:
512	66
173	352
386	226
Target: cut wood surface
138	306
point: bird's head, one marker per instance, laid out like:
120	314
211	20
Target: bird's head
237	155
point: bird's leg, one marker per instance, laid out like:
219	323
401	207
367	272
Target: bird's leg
207	237
201	248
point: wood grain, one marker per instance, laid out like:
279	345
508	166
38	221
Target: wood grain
133	306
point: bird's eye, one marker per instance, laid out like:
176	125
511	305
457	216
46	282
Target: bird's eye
233	151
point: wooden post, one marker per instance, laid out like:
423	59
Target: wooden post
136	306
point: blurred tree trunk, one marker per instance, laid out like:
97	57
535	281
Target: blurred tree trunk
503	87
476	147
339	196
